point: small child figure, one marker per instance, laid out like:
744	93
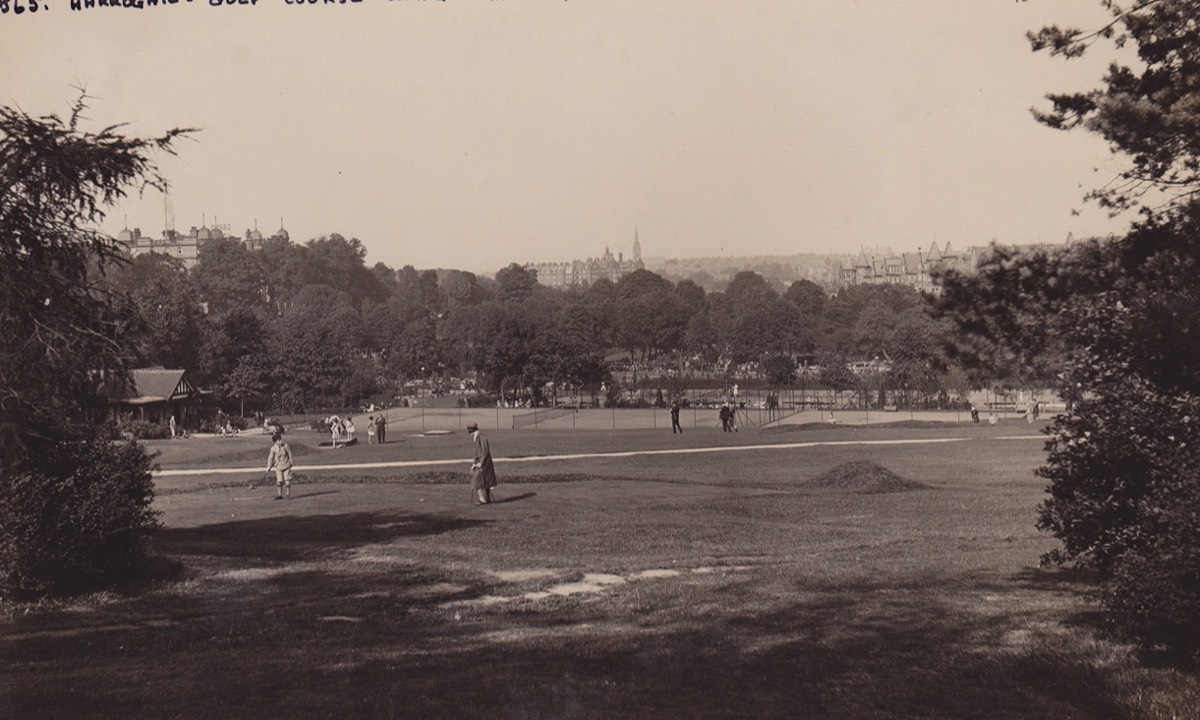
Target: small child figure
280	460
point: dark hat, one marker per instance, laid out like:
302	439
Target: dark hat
472	427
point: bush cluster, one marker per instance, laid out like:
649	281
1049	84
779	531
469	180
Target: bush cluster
142	430
1125	502
76	520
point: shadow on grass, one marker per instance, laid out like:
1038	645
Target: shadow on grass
515	498
302	495
326	643
291	538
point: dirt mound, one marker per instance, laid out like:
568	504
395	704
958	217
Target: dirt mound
866	477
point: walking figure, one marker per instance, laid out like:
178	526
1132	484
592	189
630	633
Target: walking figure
675	418
483	470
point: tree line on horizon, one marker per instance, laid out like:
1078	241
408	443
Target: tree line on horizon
294	325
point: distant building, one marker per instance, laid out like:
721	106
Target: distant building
916	269
581	273
155	394
186	247
912	269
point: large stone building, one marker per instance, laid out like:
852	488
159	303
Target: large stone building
581	273
913	269
186	246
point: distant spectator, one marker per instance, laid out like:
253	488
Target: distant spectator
381	428
171	425
370	429
675	418
348	428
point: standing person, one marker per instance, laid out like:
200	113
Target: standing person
381	428
280	460
348	428
370	429
675	417
171	424
723	413
335	430
974	414
483	471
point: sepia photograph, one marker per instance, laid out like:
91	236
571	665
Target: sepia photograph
582	359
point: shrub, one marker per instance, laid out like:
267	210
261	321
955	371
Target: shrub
80	519
482	400
1155	590
1125	501
142	430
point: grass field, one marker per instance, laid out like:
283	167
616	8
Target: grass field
818	580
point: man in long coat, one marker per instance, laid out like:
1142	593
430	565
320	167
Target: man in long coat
483	471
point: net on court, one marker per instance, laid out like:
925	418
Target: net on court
539	416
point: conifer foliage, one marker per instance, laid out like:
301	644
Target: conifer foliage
74	506
1124	462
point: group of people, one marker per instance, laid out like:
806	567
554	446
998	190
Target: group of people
727	414
376	429
483	469
225	425
341	431
1033	408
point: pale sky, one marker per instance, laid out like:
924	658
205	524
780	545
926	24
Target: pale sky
474	133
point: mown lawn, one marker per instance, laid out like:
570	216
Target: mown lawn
743	584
